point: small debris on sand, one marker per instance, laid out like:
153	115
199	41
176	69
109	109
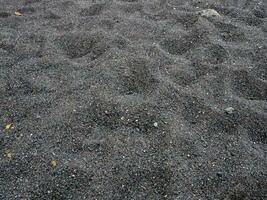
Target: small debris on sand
9	155
53	163
18	13
209	13
229	110
9	126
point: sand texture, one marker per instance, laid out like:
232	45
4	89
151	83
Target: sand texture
133	99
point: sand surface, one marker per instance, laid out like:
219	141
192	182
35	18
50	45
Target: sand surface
133	99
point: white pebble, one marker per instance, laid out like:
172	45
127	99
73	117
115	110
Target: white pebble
229	110
209	13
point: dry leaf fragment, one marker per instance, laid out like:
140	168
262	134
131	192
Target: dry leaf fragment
8	126
9	155
18	13
53	163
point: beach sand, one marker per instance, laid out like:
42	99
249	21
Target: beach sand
133	99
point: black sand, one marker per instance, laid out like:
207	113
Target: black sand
133	99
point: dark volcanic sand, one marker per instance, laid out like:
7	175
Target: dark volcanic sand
133	99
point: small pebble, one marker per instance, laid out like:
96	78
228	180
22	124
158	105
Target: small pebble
209	13
229	110
18	13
